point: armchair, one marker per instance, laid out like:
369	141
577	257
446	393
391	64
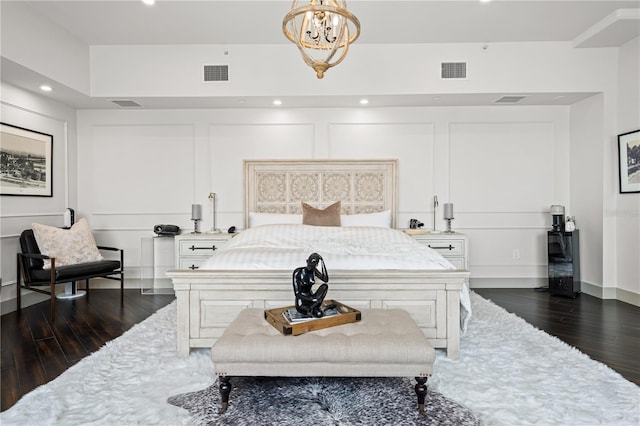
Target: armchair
32	274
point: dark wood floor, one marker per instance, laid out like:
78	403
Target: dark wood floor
35	351
606	330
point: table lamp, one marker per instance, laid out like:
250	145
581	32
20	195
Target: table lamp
448	216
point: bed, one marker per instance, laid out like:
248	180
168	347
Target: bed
255	269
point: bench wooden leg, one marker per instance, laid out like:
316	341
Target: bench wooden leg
421	391
225	391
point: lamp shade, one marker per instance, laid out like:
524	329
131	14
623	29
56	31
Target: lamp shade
448	210
196	212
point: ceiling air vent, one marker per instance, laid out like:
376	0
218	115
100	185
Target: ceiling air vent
125	103
216	73
509	99
450	70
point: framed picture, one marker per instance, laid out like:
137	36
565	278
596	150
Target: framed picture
25	162
629	158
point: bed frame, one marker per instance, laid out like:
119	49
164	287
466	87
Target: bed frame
208	300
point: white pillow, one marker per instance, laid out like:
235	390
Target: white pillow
257	219
68	246
378	219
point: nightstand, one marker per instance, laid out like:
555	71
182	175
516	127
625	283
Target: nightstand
193	249
453	246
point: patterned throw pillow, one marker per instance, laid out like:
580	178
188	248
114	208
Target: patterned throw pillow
329	216
68	246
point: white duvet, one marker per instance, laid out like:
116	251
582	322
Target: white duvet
287	246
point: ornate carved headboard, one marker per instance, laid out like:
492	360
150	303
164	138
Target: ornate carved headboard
279	186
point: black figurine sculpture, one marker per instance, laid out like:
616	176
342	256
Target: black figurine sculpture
309	302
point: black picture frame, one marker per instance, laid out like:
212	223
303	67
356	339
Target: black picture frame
629	162
26	162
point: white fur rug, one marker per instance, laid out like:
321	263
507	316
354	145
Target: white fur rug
508	373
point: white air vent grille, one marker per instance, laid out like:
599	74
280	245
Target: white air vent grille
510	99
126	103
216	73
453	70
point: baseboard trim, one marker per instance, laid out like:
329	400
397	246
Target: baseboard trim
594	290
628	296
515	282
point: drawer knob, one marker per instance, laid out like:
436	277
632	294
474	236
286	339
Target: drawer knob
441	248
194	248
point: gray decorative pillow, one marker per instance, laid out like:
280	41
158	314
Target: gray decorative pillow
329	216
68	246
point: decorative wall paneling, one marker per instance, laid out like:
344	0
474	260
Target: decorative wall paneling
501	167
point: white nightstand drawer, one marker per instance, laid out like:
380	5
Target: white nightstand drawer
458	262
191	262
454	247
199	248
193	249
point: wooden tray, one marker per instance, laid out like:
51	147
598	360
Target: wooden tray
346	316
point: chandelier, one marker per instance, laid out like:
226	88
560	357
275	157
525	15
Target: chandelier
322	30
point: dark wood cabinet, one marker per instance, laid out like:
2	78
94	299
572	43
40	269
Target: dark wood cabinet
564	263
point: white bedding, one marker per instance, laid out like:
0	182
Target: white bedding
287	246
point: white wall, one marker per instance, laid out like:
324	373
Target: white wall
24	109
272	70
40	45
502	167
628	205
587	177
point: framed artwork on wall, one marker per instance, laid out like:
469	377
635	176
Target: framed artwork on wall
25	162
629	161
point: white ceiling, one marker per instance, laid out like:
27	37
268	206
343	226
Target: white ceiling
222	22
590	23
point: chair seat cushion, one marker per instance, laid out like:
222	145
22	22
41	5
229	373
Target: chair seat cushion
78	270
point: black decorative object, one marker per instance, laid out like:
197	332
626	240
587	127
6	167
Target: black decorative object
415	224
309	302
166	230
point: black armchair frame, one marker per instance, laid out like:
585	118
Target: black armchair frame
30	273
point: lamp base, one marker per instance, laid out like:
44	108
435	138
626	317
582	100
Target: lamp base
196	226
449	231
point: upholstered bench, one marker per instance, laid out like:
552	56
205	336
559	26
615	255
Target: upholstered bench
385	343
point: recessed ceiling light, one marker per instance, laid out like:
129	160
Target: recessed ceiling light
277	102
364	101
436	98
149	2
46	88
